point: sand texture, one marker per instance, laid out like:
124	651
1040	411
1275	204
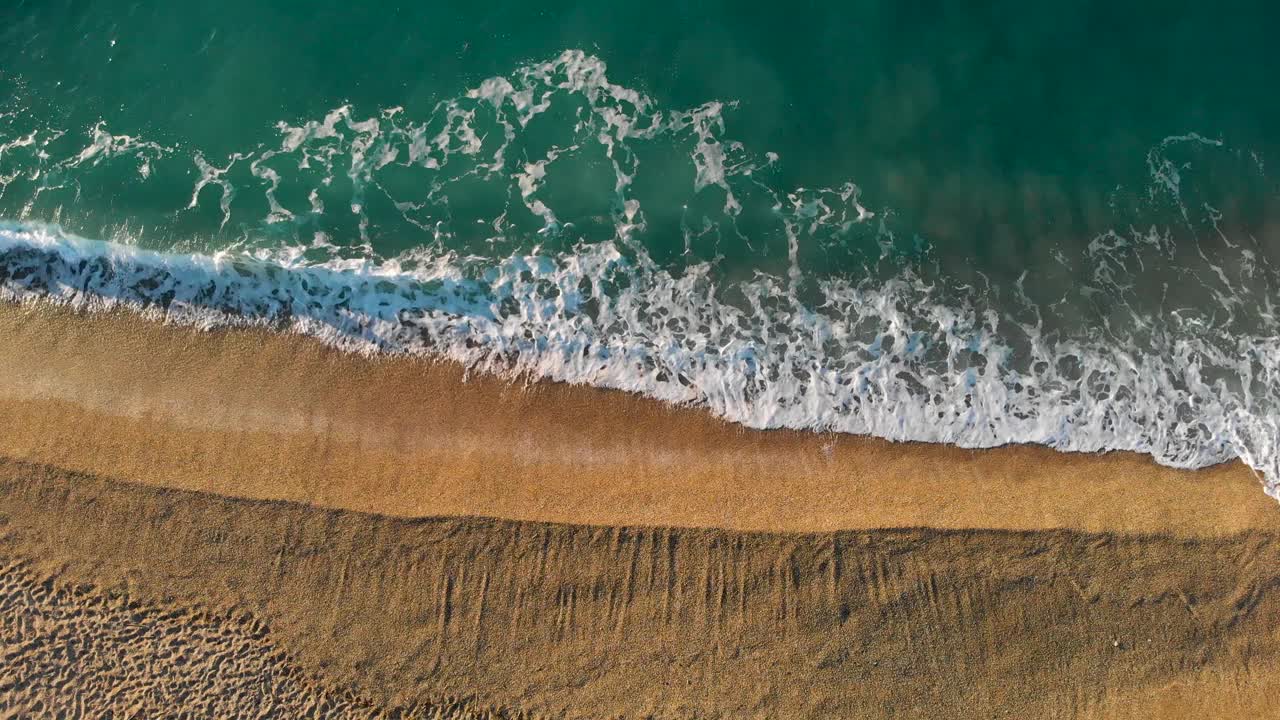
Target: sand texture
577	621
200	524
76	652
260	415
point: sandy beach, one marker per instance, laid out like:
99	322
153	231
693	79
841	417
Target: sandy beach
639	361
399	538
254	414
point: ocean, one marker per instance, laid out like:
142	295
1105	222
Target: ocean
980	225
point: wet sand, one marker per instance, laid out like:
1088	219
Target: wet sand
260	415
287	526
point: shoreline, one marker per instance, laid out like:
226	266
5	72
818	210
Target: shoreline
393	535
258	414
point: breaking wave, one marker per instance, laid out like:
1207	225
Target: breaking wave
1188	373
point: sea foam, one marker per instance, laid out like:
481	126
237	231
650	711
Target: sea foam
895	352
880	360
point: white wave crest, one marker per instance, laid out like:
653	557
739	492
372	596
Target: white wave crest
1165	351
886	359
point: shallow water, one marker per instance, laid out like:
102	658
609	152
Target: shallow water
1007	224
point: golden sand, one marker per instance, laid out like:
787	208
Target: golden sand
591	622
256	414
216	521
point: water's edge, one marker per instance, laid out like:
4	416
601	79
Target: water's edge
504	326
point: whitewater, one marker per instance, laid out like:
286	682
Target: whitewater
527	286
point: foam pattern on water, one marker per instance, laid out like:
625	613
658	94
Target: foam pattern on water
896	353
934	373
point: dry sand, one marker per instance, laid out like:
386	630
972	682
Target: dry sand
288	527
74	651
590	622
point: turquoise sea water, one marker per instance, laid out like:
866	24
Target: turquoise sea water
986	224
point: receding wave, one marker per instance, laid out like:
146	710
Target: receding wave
895	349
883	360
